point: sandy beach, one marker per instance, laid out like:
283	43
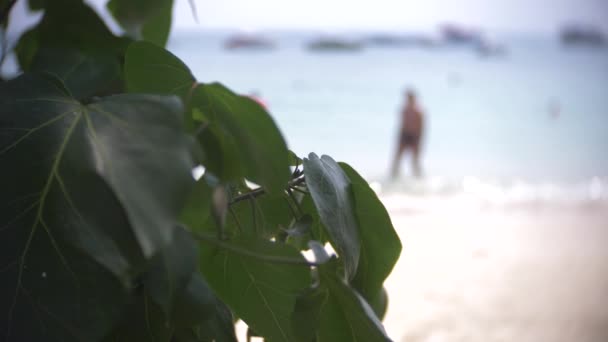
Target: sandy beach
474	272
530	273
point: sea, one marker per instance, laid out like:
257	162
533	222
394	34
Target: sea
530	124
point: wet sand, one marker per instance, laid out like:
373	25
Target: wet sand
524	274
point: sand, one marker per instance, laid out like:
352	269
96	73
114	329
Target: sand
482	273
499	274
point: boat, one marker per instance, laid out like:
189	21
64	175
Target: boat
334	44
402	40
456	34
582	35
248	42
489	48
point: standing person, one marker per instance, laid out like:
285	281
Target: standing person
412	127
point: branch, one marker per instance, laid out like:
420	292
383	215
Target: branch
262	257
260	191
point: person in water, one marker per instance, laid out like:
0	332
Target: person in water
412	127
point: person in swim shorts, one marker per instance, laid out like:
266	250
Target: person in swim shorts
412	127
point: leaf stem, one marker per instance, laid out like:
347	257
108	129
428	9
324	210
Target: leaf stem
260	191
262	257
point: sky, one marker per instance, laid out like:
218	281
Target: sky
511	15
504	15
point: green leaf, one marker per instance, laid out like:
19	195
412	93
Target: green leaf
90	193
262	293
318	232
171	270
380	244
36	4
222	157
330	190
300	232
144	320
144	19
69	24
154	70
262	149
200	316
84	75
158	26
345	316
195	213
271	214
380	303
294	160
305	318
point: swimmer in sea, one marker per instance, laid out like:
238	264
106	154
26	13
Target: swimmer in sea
412	127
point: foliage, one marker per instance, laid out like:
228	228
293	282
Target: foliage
106	236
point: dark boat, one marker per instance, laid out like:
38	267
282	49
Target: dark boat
582	35
455	34
248	42
402	40
334	44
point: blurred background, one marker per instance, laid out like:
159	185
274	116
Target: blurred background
506	235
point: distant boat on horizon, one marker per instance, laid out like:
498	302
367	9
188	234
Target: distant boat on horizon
582	35
457	34
334	44
401	40
249	42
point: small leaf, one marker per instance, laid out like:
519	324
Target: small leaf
198	206
158	26
330	189
143	321
306	315
153	70
380	303
380	244
262	293
262	150
79	28
346	316
171	271
294	160
200	315
144	19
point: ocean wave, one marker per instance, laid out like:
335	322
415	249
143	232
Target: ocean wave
474	192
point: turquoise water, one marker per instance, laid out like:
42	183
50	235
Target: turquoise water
488	118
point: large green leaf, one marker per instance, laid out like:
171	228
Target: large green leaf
305	319
262	149
89	194
84	75
195	214
329	187
380	244
239	138
158	26
143	320
345	316
154	70
144	19
262	293
69	24
171	270
201	316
